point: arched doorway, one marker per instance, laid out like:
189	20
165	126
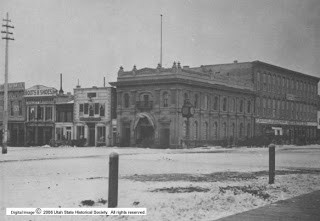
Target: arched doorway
144	130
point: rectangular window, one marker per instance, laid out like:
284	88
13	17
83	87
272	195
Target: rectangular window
96	108
40	113
59	132
31	113
81	108
86	108
11	108
69	116
101	134
92	94
20	108
48	113
80	132
102	110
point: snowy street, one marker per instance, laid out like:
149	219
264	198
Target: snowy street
193	184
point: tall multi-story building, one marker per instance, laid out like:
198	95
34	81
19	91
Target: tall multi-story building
93	115
150	102
16	113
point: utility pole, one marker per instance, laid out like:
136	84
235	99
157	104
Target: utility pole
161	42
7	37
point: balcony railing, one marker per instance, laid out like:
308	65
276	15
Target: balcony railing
144	105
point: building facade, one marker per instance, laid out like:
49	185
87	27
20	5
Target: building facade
285	100
16	113
64	128
93	115
150	102
40	115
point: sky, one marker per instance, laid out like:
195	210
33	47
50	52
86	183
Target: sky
91	39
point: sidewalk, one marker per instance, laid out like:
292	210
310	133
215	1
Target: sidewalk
305	207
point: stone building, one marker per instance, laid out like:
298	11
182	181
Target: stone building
285	100
16	113
93	115
150	101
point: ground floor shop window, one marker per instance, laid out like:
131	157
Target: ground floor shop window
101	134
59	132
80	132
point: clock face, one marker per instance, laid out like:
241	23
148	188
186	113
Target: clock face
184	111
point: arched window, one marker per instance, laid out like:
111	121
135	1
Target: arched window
258	105
215	103
224	130
165	99
206	131
233	128
224	104
196	130
196	100
126	100
215	130
241	130
241	105
205	106
102	110
249	107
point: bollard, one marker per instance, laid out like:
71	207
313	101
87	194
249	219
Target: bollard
113	180
272	162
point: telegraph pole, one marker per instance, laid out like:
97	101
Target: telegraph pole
7	37
161	42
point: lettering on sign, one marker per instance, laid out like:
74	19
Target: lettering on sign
285	122
41	92
13	86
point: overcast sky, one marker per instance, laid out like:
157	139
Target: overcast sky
90	39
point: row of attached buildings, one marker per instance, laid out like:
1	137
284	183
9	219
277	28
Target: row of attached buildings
232	101
42	115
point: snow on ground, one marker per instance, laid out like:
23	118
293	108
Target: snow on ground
163	181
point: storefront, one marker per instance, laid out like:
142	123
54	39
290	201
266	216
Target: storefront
291	132
40	105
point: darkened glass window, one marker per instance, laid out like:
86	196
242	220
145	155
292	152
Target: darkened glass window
165	99
86	108
224	104
48	113
215	104
92	94
11	108
241	105
196	100
91	111
126	100
249	107
80	132
20	108
96	108
102	110
80	108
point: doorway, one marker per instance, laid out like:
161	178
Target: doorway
92	135
165	137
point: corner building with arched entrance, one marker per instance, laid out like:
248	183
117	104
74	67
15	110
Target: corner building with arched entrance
149	104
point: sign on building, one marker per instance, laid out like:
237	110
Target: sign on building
40	90
18	86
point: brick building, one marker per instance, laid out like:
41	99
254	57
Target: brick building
16	113
150	101
93	115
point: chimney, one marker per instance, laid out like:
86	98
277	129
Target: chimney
104	81
78	86
60	91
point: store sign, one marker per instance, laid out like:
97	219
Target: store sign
318	119
18	86
285	122
40	90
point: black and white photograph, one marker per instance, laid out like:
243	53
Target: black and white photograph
158	110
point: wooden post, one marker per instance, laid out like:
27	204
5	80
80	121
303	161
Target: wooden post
272	163
113	180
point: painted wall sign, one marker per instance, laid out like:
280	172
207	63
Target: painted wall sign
285	122
13	86
39	90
